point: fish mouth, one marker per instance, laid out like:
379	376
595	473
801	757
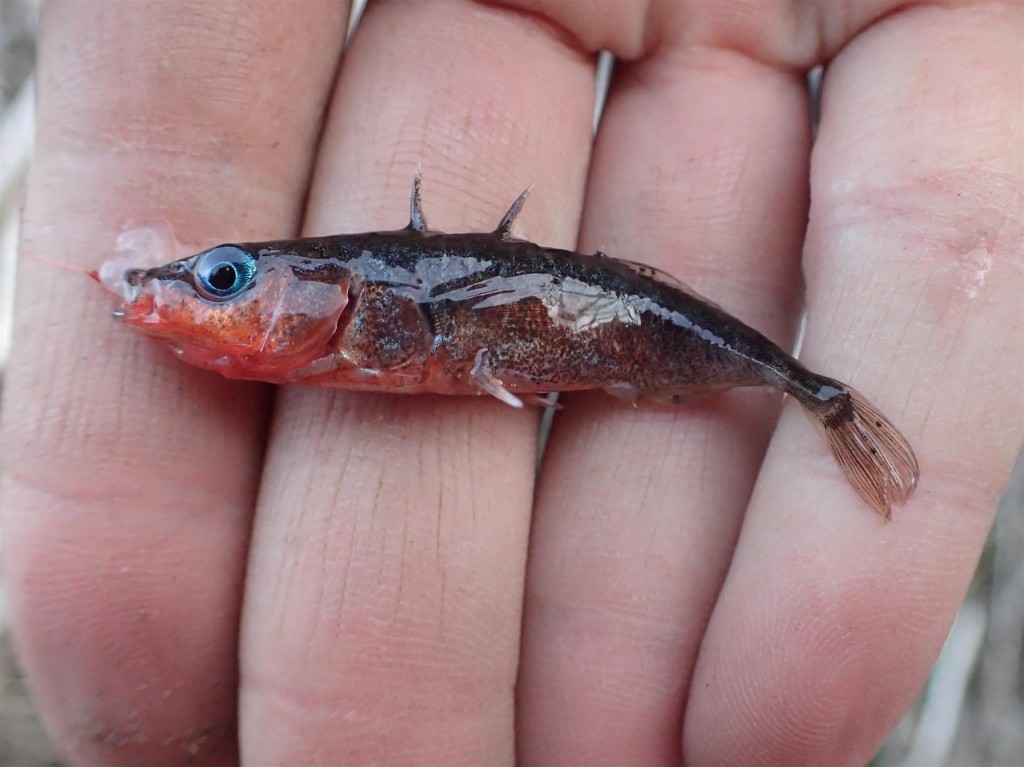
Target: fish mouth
140	312
138	300
127	284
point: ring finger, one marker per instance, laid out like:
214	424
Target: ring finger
699	168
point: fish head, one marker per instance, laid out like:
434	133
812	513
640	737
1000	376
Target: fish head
245	311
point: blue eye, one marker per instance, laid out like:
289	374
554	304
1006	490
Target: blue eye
224	272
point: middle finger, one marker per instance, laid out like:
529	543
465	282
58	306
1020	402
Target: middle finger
383	602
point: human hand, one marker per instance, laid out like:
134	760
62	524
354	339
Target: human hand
353	578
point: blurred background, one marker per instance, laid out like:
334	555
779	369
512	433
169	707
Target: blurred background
970	714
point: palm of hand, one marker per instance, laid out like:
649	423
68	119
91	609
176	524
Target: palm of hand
409	594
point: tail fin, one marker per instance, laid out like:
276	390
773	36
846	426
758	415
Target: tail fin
876	459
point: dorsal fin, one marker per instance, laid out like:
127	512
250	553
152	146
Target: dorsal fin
417	221
659	275
504	230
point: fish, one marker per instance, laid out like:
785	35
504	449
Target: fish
416	310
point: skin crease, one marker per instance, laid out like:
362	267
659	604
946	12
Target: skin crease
361	583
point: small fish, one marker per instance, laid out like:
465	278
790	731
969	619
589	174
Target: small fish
417	310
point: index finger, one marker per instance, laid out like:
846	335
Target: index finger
129	477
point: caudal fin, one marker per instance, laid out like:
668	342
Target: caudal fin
876	459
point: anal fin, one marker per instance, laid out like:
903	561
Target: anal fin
683	396
668	396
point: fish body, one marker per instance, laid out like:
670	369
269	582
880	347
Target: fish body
415	310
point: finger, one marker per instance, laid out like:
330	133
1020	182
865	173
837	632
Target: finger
383	601
128	478
914	290
700	169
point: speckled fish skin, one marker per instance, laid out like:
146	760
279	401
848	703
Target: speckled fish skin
416	310
550	320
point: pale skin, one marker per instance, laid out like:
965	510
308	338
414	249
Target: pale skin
198	568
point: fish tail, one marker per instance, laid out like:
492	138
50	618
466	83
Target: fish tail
876	459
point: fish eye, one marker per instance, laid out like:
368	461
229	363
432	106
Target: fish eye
224	272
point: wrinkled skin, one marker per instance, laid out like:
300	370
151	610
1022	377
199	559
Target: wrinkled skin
203	569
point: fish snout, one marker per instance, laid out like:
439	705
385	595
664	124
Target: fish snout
140	296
